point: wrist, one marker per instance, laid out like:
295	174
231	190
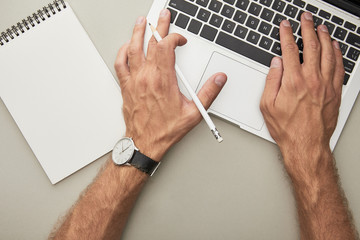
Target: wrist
150	147
303	163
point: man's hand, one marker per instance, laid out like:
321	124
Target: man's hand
301	102
156	114
300	105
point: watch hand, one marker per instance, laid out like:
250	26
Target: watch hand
125	149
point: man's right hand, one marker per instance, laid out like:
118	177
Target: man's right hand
300	103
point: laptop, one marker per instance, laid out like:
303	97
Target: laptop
240	37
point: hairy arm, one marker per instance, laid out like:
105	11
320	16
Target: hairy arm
103	209
300	105
321	204
156	115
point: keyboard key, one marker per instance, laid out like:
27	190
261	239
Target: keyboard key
291	11
299	3
173	14
324	14
330	27
294	25
184	6
266	2
242	4
301	58
275	33
228	26
343	48
348	65
278	19
353	54
312	8
353	40
253	37
340	33
337	20
317	21
240	16
265	43
350	26
300	44
215	6
203	3
299	15
227	11
230	1
182	21
244	48
241	31
276	48
252	22
208	33
346	78
216	20
267	14
194	26
203	15
254	9
265	28
278	5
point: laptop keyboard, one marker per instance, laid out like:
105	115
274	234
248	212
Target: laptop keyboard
251	27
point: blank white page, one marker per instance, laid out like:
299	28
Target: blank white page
61	94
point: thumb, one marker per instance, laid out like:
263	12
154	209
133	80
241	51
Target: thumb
211	89
273	83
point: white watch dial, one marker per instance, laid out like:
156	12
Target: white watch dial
123	151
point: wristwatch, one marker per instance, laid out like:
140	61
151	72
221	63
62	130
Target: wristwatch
125	153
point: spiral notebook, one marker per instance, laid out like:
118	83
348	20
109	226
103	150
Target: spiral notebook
59	91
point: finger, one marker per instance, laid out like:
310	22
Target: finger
311	42
121	64
273	83
327	53
339	68
162	28
163	23
135	51
211	89
165	51
290	50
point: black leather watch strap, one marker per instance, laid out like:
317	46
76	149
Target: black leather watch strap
144	163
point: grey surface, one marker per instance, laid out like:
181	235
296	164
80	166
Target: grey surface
203	190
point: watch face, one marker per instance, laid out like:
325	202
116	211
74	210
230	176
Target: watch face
123	151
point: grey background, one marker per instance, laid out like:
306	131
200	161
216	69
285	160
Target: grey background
203	190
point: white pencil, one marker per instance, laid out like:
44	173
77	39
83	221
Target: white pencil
196	100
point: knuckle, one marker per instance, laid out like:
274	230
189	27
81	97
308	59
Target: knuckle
152	42
162	46
290	47
132	50
313	45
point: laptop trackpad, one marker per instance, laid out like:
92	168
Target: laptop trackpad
239	100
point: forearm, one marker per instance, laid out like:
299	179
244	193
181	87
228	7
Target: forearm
102	211
322	208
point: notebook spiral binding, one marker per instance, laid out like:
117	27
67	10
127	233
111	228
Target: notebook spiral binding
29	22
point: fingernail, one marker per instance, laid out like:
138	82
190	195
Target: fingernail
308	16
323	28
140	20
275	63
164	13
336	45
220	80
286	23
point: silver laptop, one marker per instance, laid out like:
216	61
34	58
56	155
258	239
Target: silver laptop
240	37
